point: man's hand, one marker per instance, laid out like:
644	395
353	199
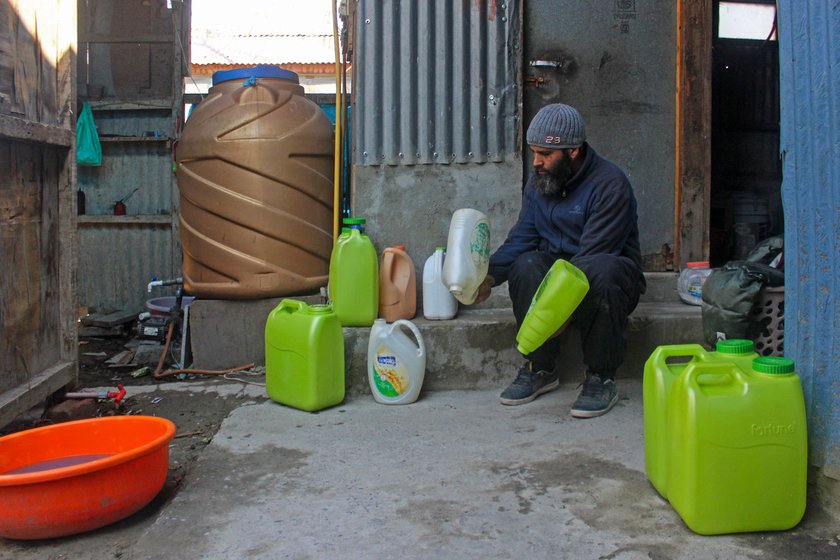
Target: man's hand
484	289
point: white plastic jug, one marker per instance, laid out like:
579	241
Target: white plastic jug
438	302
468	254
396	363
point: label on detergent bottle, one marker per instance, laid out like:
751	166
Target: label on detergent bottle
480	244
390	376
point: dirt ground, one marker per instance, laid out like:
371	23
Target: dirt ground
197	415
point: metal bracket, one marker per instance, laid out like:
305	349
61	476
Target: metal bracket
556	64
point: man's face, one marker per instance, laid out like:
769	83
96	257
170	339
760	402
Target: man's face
553	168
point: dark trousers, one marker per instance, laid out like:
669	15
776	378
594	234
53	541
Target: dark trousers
614	289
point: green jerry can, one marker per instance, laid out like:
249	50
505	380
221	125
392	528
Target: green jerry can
738	457
663	366
354	277
304	356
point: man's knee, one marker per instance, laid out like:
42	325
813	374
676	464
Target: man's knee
604	272
529	268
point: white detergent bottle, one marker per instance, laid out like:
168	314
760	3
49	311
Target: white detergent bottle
396	363
467	254
438	302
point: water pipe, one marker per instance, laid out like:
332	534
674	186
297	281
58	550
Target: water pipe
170	282
117	395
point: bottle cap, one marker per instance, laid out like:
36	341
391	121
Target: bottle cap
698	264
400	247
353	221
440	248
773	365
734	346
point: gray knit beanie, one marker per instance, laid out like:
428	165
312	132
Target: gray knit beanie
556	126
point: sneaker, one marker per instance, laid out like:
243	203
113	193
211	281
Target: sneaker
528	385
597	397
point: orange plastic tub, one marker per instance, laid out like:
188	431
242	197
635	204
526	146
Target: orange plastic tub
77	476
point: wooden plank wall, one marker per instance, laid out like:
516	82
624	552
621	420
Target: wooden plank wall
38	342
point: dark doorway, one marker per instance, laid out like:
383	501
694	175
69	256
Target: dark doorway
746	168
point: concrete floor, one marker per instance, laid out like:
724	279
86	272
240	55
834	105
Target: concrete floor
454	475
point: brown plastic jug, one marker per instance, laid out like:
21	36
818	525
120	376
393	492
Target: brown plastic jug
397	285
255	169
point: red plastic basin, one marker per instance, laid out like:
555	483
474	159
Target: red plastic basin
77	476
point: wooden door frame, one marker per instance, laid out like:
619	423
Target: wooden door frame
693	131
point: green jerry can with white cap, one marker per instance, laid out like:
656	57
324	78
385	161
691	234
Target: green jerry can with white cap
664	365
738	457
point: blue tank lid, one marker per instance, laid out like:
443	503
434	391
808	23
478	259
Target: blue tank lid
259	71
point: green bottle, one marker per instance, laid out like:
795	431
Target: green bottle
354	276
562	289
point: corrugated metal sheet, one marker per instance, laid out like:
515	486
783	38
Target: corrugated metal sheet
809	33
118	260
416	102
118	255
141	168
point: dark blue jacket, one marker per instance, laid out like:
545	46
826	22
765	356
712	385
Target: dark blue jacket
596	214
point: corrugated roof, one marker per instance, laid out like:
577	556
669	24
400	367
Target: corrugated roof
263	49
262	32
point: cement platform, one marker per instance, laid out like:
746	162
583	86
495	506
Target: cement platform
475	350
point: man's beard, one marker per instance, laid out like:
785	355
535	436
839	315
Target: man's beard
554	182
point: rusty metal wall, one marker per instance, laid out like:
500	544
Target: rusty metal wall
436	82
809	33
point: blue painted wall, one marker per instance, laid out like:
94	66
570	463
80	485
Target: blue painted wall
809	62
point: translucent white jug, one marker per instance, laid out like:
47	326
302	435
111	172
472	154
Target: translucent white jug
438	302
396	363
467	254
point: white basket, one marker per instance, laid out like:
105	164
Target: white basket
769	310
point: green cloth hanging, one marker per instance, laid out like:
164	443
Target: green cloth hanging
88	149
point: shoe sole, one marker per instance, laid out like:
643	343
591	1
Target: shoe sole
544	389
594	413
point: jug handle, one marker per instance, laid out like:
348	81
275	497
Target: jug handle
400	281
291	305
388	264
731	380
421	347
661	354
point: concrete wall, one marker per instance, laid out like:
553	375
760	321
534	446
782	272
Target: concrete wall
618	69
413	205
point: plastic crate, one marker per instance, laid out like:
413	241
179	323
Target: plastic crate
769	310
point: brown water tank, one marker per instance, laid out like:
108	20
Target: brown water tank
255	169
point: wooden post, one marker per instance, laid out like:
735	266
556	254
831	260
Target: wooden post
694	125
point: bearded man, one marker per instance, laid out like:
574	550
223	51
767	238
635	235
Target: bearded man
579	207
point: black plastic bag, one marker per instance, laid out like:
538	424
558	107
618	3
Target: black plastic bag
729	294
88	149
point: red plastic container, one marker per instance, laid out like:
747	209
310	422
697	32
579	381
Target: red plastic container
77	476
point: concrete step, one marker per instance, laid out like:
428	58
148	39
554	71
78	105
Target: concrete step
476	350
